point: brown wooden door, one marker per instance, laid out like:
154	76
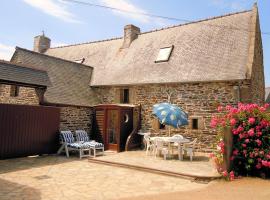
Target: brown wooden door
100	127
112	132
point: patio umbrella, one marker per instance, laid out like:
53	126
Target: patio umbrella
169	114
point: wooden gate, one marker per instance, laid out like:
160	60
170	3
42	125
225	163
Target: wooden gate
28	130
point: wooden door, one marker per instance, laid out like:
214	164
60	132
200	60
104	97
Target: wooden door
112	132
100	127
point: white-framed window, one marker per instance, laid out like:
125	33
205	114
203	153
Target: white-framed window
164	54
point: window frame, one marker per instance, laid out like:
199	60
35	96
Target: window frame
14	91
169	55
123	98
195	126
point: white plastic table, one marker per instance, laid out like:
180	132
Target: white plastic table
170	140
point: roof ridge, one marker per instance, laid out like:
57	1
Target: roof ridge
89	42
57	58
155	30
198	21
31	67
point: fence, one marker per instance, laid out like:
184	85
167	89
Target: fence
28	130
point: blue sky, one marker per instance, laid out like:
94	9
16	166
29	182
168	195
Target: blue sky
68	23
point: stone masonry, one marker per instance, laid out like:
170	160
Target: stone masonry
257	77
76	118
27	95
199	100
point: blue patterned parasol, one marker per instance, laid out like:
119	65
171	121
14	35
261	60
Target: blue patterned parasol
169	114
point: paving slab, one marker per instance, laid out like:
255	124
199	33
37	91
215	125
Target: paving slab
57	177
201	166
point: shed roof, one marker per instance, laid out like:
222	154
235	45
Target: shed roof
69	80
214	49
26	75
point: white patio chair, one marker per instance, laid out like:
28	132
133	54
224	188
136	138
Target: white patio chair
82	136
189	148
68	143
149	144
159	148
175	144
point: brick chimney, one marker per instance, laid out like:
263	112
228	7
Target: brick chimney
131	33
41	43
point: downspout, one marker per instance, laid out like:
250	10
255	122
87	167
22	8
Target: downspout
237	89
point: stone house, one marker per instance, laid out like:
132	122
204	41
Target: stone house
199	65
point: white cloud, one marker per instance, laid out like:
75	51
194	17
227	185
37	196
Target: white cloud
6	51
128	6
51	7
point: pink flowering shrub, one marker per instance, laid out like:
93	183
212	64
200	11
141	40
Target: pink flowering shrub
250	127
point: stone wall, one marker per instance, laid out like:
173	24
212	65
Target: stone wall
76	118
199	100
255	69
257	76
27	95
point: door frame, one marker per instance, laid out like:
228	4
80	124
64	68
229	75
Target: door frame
113	147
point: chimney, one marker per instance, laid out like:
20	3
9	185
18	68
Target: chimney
41	43
131	33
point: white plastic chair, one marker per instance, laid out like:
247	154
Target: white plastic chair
149	145
189	148
159	148
178	137
81	135
68	143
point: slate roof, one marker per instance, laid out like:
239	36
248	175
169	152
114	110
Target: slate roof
26	75
69	80
267	95
214	49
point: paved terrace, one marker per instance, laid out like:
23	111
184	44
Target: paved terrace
57	177
201	166
60	178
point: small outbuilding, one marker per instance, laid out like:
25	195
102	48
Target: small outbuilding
113	124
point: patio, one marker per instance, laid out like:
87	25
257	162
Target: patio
56	177
200	167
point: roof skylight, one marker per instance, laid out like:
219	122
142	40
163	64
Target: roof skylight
164	54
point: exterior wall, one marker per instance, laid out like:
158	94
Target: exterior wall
199	100
257	77
255	69
27	95
76	118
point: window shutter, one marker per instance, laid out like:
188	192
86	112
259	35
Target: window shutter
131	96
155	125
117	97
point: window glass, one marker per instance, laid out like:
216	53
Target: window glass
195	124
14	90
124	95
164	54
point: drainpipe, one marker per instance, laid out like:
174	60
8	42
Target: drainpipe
237	88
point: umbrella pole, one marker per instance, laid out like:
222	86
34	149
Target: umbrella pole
169	131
